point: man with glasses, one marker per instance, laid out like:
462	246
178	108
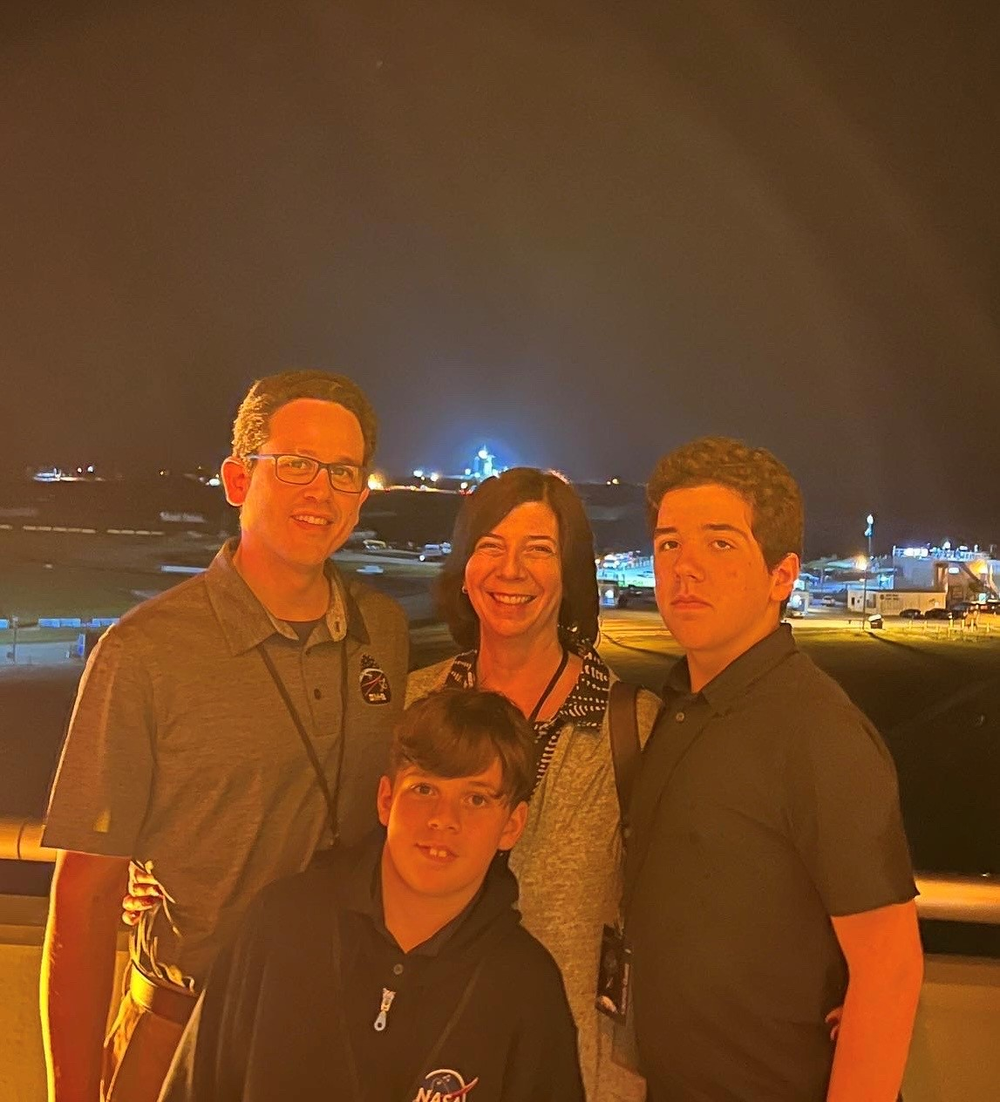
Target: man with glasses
223	732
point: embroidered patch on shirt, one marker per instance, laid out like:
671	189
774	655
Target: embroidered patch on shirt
374	683
444	1085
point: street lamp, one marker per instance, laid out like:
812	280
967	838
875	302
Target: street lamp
869	532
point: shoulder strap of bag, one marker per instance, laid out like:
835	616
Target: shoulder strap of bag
328	797
625	748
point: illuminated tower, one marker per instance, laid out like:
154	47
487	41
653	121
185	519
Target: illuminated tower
483	465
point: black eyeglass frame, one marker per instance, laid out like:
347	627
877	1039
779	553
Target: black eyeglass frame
328	467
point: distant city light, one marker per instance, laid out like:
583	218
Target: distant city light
435	475
418	473
376	480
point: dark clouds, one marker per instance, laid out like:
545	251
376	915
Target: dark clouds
582	232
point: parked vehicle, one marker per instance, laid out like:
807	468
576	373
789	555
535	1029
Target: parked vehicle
943	614
911	614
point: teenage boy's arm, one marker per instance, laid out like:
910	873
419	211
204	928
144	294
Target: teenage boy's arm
78	963
885	970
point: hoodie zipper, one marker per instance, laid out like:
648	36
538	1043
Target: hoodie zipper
383	1010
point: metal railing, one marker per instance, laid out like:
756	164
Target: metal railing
942	897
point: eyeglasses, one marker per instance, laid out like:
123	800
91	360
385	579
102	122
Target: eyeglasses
300	470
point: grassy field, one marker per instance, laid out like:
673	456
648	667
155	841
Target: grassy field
31	590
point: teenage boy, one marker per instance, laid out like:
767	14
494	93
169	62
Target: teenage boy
400	970
222	732
768	881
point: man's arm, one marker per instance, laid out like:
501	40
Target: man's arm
885	969
78	963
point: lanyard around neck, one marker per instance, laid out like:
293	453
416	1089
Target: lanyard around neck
547	691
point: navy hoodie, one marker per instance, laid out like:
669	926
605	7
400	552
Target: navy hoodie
478	1013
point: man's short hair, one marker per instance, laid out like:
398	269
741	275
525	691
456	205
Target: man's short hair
252	426
482	511
460	732
762	480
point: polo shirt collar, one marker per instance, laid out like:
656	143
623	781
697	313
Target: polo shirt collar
244	620
739	675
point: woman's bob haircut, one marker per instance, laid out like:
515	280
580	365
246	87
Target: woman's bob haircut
479	514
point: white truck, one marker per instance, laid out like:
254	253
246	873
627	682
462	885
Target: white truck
625	578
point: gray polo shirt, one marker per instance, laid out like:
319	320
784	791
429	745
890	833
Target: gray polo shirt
182	755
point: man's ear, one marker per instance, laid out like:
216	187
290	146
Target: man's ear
783	577
235	479
383	801
514	826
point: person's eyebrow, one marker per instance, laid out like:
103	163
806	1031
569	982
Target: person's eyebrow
719	527
487	789
308	453
724	528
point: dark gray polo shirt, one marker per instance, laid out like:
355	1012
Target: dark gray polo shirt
765	804
182	755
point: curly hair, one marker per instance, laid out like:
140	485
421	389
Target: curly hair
482	510
461	732
253	419
762	480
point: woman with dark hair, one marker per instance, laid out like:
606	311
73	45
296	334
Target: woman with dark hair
519	593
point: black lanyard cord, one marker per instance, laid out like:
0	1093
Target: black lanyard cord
547	691
330	798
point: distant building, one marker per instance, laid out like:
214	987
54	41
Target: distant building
483	466
963	573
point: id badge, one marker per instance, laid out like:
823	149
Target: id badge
613	975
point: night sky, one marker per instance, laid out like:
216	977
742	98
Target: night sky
580	232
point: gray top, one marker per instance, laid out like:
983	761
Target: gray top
568	864
766	803
182	755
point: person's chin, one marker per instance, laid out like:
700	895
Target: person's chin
688	631
509	626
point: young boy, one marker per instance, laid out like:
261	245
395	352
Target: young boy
399	971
